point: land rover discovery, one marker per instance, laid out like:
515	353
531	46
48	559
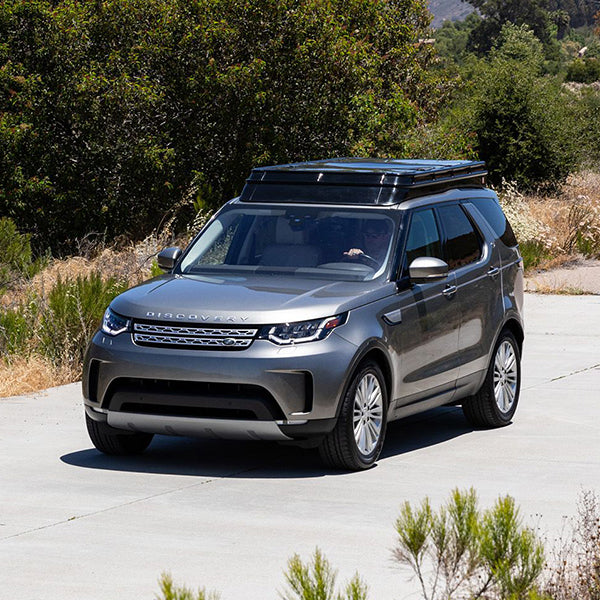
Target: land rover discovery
328	299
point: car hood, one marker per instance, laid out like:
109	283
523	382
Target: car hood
256	300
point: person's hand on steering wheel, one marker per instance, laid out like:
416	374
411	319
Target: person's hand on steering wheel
358	255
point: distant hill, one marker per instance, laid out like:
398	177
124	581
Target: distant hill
581	12
452	10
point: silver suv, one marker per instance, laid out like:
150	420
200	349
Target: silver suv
328	299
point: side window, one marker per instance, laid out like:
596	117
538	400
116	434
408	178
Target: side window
494	215
423	237
463	245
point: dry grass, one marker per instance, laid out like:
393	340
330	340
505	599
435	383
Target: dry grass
23	375
130	264
30	371
564	226
32	367
571	220
574	572
559	289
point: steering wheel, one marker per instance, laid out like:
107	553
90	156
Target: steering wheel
365	259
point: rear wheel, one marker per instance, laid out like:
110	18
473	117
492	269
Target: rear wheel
494	405
357	439
113	441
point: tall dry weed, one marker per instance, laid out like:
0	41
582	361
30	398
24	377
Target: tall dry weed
574	572
46	320
559	227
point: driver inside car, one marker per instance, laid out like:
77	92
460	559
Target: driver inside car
376	240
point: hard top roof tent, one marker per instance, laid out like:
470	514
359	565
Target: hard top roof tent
359	180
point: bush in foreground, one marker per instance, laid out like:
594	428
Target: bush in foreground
462	552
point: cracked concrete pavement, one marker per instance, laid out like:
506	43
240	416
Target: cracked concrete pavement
227	515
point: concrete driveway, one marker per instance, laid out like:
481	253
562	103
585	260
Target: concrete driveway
75	524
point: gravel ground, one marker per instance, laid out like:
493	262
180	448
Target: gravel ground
582	276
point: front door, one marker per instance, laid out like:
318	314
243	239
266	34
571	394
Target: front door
426	339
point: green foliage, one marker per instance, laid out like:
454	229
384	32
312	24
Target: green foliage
587	126
452	38
59	324
16	329
461	552
579	12
584	70
499	13
316	581
16	260
523	121
155	270
71	313
170	591
519	43
533	253
112	113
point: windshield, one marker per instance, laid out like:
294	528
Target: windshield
344	245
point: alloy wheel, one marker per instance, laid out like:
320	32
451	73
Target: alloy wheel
367	414
505	376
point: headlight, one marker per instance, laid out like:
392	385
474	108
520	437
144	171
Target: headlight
113	324
302	331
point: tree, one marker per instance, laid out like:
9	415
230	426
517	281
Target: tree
522	120
497	13
113	113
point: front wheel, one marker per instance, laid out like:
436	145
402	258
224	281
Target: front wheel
113	441
357	439
494	405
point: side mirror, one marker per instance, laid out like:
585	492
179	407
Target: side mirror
426	268
168	257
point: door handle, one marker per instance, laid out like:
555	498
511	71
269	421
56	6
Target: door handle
449	291
493	272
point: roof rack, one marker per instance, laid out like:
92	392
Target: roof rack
360	180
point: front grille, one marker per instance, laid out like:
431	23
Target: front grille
188	336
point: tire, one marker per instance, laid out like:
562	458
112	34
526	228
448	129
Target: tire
356	441
494	405
114	441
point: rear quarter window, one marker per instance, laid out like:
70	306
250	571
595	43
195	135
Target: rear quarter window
493	214
463	245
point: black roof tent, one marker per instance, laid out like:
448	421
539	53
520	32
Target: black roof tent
359	180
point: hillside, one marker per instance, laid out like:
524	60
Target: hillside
452	10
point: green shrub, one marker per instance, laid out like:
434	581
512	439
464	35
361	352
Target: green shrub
510	115
17	329
316	581
70	314
16	258
584	70
461	552
533	253
170	591
523	121
587	127
58	325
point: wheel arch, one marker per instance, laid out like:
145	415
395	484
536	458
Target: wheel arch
376	354
516	329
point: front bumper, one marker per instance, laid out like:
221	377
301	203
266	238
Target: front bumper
304	382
